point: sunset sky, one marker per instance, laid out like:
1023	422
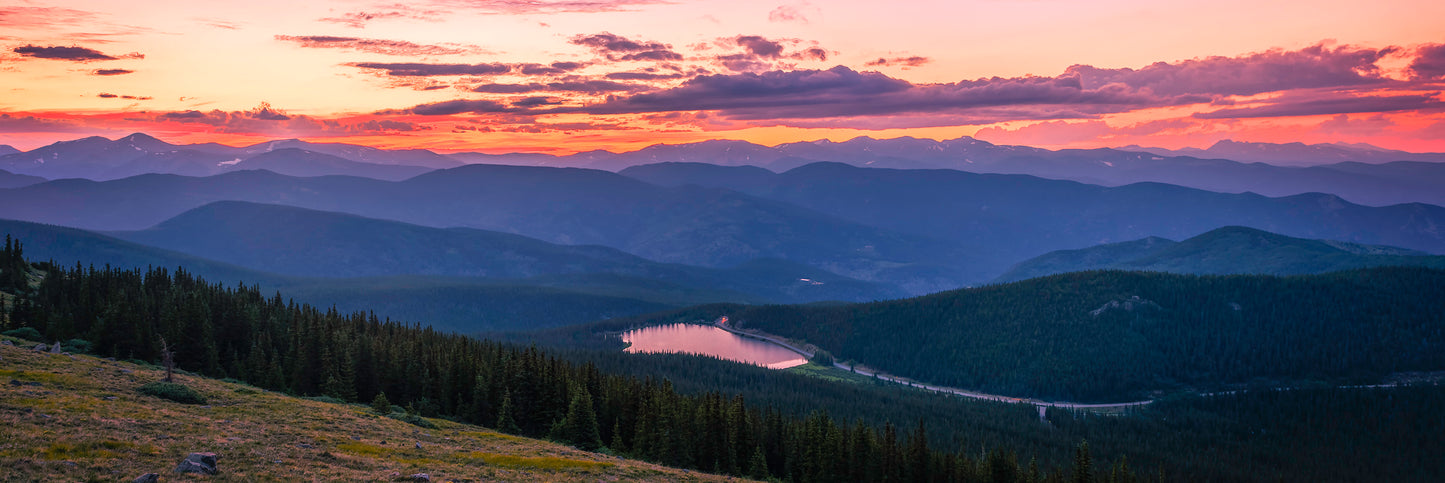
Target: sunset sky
563	76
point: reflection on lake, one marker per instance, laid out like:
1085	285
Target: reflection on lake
710	341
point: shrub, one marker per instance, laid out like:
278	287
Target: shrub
325	399
78	346
380	404
27	333
175	392
413	420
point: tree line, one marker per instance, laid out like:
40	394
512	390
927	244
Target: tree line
271	342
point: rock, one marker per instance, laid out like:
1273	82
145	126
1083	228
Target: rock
148	478
415	477
418	445
306	446
109	398
1131	304
55	349
7	342
39	348
16	382
204	463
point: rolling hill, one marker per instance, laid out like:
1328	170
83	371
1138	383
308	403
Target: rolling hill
1123	336
1228	250
307	243
703	227
452	303
1014	217
12	180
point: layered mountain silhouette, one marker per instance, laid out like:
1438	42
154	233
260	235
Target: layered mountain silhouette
12	180
98	158
921	230
706	227
1359	173
1010	216
582	285
1296	153
1228	250
307	243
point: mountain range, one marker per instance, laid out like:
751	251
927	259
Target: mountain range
1014	217
918	230
1227	250
98	158
1297	154
1359	173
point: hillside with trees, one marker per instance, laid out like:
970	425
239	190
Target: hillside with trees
1117	336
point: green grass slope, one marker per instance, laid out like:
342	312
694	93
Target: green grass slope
81	419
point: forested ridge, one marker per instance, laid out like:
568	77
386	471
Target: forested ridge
1115	336
720	416
237	332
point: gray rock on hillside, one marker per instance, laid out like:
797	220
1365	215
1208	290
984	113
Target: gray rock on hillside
204	463
148	478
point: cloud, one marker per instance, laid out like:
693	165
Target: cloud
411	69
648	75
111	72
789	13
390	12
530	7
218	23
537	101
1310	105
508	88
31	124
1275	70
905	62
60	22
1429	62
555	68
618	48
843	92
587	86
594	86
269	121
760	47
459	106
71	53
379	46
761	54
107	95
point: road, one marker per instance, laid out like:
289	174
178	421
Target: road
721	323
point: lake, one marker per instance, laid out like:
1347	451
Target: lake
710	341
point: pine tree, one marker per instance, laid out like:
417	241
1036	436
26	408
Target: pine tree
380	404
1083	465
758	465
581	423
505	423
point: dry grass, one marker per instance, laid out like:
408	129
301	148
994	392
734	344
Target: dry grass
86	422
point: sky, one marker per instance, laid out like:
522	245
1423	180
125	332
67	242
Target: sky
564	76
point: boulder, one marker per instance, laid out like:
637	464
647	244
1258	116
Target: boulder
204	463
7	342
40	347
55	349
148	478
